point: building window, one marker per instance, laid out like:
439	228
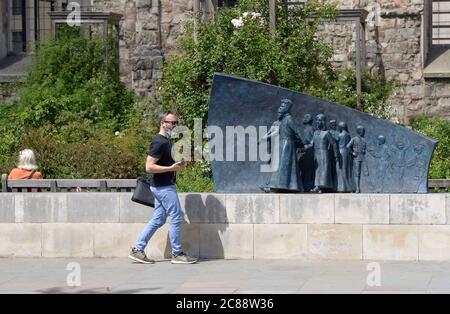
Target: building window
441	23
18	6
18	26
436	39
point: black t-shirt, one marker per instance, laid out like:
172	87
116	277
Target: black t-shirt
161	148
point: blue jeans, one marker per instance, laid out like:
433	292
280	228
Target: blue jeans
166	204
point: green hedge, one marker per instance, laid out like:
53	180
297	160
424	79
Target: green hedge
294	58
69	110
438	129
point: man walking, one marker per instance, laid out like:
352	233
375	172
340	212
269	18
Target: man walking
161	164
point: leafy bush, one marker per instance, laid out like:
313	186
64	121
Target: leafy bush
292	59
196	177
374	97
238	42
101	156
68	75
68	111
439	129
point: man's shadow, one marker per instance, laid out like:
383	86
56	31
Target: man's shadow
206	220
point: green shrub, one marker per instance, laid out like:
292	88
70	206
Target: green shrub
294	58
374	97
68	75
196	177
83	151
68	111
439	129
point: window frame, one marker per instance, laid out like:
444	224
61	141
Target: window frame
434	56
432	26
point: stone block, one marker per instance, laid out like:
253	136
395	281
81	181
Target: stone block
447	204
68	240
417	209
387	23
115	239
7	211
343	242
143	3
131	212
304	208
273	241
93	207
390	242
20	240
442	90
434	243
19	203
190	239
253	208
203	207
157	74
159	245
45	207
226	241
157	62
362	208
146	64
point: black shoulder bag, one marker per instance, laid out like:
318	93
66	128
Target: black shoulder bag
142	194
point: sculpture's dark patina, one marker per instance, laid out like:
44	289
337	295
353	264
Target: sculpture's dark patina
345	167
323	146
325	157
287	175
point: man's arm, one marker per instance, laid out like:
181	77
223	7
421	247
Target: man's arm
152	167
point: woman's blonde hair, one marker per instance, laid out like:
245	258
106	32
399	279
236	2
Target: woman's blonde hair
27	160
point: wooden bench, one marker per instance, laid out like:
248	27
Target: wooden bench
68	185
439	185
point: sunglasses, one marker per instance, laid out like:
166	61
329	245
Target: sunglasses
172	122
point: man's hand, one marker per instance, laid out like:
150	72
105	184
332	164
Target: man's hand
178	166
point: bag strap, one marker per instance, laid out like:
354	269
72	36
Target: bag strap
32	174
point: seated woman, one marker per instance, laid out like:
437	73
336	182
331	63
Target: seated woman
26	168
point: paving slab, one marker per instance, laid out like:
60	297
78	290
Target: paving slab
121	275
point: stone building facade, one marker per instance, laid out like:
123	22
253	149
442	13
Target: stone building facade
400	46
149	31
397	45
398	40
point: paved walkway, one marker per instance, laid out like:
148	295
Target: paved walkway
120	275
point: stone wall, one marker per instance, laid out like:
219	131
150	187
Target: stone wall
243	226
394	49
393	40
149	30
3	29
